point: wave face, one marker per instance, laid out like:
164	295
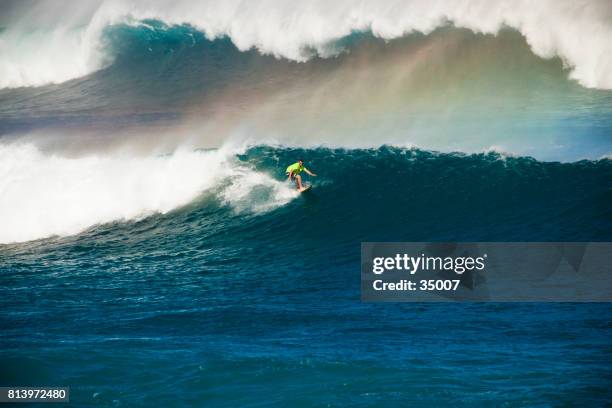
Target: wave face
213	191
42	43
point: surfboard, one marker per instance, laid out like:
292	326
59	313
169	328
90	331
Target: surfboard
305	188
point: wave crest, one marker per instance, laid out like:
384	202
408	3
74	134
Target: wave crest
67	46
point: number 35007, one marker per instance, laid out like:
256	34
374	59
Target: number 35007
439	284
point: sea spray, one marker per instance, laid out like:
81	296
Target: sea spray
44	194
297	32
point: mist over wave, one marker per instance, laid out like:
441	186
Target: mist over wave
450	90
46	42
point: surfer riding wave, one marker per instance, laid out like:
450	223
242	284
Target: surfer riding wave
293	173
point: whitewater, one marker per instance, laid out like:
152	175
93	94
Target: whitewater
45	42
43	195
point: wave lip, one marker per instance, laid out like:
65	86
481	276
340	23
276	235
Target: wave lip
69	46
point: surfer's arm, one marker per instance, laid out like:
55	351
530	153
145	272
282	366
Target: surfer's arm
309	172
290	174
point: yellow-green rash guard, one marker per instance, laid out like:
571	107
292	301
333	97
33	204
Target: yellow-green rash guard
295	168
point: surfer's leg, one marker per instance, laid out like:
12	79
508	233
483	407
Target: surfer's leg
298	180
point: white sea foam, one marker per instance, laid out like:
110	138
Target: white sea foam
50	44
42	195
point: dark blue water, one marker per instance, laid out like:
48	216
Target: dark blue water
205	306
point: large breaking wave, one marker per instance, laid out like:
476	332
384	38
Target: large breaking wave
448	196
113	111
47	42
450	90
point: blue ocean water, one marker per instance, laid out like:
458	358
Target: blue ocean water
208	306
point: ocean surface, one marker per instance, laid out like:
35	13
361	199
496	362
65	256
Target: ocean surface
153	254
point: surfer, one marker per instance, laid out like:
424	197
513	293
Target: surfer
293	173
